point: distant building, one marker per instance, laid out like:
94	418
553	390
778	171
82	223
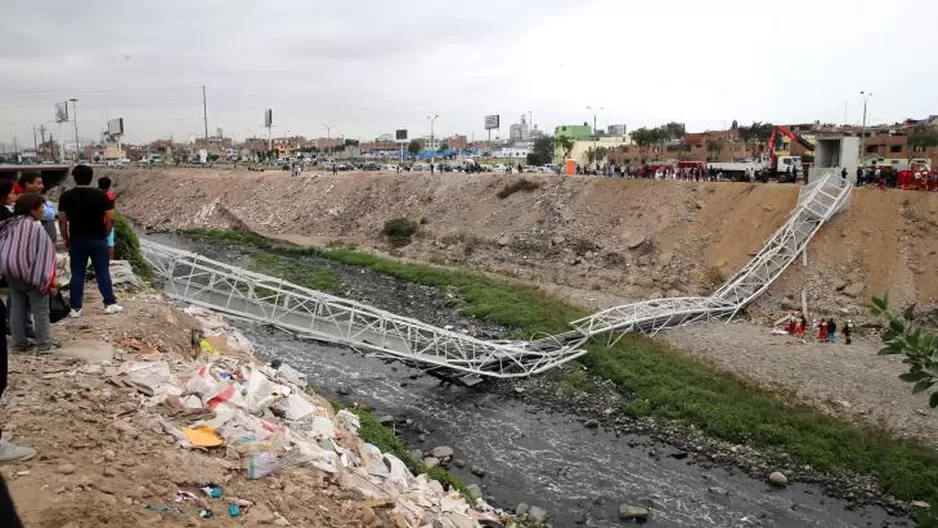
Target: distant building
431	144
618	130
520	131
574	132
458	142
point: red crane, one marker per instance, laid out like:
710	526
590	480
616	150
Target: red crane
773	137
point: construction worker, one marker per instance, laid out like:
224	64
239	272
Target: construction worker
848	330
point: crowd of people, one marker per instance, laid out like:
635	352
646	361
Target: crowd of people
912	178
29	263
826	328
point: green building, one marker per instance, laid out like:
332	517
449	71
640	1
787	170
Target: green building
571	132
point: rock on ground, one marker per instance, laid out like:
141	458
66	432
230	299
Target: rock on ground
778	479
537	514
629	512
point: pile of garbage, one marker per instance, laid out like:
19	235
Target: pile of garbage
266	417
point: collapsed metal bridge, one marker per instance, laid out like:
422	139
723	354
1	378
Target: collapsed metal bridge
201	281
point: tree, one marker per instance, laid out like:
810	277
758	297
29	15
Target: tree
643	137
919	140
672	130
904	336
714	147
756	136
543	152
444	146
351	143
414	147
566	144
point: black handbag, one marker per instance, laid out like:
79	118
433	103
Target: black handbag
58	308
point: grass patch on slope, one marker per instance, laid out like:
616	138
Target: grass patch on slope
384	439
666	383
313	277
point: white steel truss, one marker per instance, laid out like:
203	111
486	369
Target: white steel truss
817	203
197	280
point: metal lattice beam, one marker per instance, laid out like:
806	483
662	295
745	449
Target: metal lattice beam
215	285
197	280
817	203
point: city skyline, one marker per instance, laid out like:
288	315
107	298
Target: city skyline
364	70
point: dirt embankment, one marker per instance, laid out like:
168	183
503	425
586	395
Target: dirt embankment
629	239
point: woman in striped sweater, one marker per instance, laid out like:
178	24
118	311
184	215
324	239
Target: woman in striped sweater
27	262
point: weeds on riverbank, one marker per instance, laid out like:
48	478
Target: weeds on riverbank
383	438
312	277
666	383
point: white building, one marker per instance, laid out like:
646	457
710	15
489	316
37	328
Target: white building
520	131
511	153
431	144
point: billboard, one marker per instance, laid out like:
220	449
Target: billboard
401	135
269	117
491	122
115	127
61	112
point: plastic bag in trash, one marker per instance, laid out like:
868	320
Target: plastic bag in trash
290	374
348	421
152	374
260	465
322	428
260	391
296	407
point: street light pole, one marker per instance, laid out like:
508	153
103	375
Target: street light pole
328	135
432	121
595	132
75	117
866	96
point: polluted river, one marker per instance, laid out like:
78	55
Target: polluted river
522	453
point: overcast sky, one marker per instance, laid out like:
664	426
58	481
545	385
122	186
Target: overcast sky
369	67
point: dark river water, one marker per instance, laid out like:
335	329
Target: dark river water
579	475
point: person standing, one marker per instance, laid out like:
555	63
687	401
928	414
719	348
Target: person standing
27	262
822	330
831	330
848	331
31	182
104	184
86	216
9	452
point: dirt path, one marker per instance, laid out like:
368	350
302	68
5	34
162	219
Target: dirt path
100	464
851	382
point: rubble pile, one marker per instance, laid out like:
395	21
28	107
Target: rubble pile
265	418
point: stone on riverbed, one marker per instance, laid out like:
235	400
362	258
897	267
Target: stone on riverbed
431	462
537	514
442	452
385	420
630	512
522	509
778	479
477	471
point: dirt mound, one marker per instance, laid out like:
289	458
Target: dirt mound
631	239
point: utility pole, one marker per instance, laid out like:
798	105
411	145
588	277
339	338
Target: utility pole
75	117
595	132
432	121
328	137
866	96
35	141
205	113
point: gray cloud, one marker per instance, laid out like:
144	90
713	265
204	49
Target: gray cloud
369	66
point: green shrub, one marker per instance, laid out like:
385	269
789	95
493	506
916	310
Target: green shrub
516	186
399	231
127	247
